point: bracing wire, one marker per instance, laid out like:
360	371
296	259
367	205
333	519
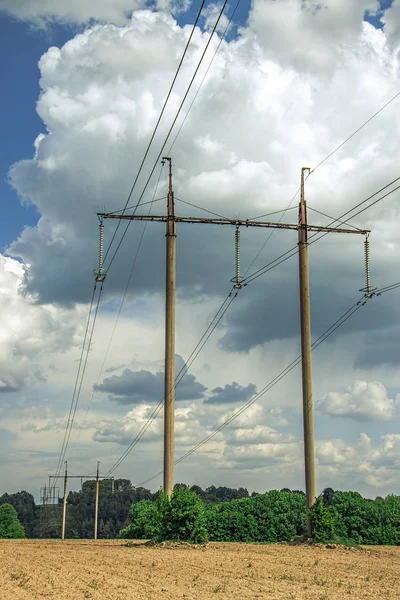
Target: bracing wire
201	208
327	333
293	251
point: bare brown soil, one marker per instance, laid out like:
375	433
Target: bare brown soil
112	570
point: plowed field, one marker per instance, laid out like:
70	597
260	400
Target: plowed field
113	570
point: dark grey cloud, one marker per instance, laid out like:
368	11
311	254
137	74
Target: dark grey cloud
380	348
137	387
268	309
231	393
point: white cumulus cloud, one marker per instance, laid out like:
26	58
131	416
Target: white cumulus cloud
362	400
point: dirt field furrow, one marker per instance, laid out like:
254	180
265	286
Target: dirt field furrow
110	570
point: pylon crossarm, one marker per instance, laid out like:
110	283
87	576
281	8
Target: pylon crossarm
235	222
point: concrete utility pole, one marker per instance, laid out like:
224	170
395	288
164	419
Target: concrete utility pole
64	502
302	227
81	477
169	377
96	505
306	362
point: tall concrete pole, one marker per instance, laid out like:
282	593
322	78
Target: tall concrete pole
305	320
169	377
96	502
64	503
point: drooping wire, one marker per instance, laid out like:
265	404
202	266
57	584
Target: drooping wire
327	333
157	124
79	380
84	368
194	354
170	129
119	310
60	459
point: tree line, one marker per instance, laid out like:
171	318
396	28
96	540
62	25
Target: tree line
215	513
44	521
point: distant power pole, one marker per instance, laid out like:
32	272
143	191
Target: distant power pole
302	227
64	502
96	504
306	363
81	477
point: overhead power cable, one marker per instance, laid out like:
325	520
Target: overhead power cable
318	165
157	124
194	354
327	333
355	132
170	129
204	76
76	380
79	377
119	310
293	251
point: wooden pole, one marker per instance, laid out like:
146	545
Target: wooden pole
305	321
65	503
96	509
169	376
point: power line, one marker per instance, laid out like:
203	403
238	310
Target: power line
157	124
79	378
292	251
171	128
120	308
84	369
76	380
328	332
355	132
204	77
321	163
194	354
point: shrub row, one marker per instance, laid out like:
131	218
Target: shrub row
271	517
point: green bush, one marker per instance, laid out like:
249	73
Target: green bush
322	520
10	527
145	521
182	518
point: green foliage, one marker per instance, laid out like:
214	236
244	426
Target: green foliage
323	523
182	517
10	527
145	521
24	504
270	517
366	521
